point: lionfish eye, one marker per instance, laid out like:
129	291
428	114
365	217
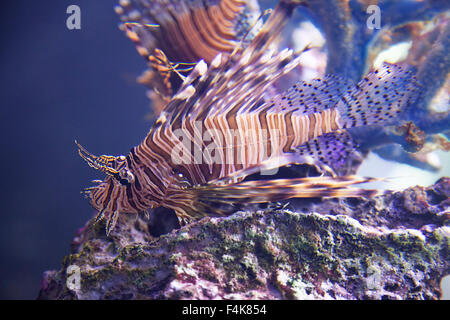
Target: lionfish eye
122	181
125	177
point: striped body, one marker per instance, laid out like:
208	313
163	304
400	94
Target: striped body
223	125
160	182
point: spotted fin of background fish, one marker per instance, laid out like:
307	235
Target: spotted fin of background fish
332	150
295	127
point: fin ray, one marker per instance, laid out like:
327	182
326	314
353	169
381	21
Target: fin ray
261	191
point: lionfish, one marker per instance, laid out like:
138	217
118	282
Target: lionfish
221	126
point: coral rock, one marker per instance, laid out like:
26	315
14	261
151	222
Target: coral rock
394	246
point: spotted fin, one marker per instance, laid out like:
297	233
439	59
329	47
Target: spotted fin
379	97
313	95
332	150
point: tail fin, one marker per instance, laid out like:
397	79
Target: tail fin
379	97
335	149
261	191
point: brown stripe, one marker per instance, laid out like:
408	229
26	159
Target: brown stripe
114	199
108	195
265	130
130	197
154	180
176	43
312	126
223	26
289	131
137	193
194	39
205	28
334	123
227	11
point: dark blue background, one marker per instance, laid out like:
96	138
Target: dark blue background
58	85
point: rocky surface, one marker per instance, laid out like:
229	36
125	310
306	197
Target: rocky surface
394	246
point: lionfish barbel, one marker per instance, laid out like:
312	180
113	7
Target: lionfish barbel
221	126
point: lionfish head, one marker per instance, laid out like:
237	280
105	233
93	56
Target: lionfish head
109	196
116	167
